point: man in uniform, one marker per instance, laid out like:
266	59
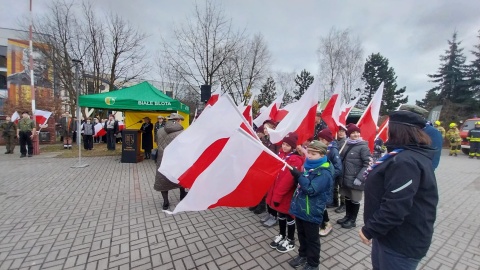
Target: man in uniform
453	137
25	132
474	138
438	126
9	133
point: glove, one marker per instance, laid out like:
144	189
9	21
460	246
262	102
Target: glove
295	173
357	182
276	204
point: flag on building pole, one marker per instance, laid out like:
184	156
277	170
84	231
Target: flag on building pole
334	103
368	121
239	177
300	119
41	117
270	112
201	143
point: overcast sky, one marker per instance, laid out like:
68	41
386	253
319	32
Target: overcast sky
412	34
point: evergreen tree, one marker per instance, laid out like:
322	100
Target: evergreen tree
287	98
377	71
303	81
474	72
451	76
431	100
268	93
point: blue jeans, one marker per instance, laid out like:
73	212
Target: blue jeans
384	258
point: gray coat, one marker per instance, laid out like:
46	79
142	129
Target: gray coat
355	162
164	137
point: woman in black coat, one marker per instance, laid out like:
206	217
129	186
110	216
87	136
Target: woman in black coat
401	196
147	137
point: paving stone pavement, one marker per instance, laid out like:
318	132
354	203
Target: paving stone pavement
107	216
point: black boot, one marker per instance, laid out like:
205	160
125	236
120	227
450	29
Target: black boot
166	203
348	212
261	208
183	193
355	207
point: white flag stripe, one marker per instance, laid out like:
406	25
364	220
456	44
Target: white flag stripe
220	121
265	115
221	178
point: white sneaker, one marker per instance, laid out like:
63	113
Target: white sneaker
265	217
276	241
270	222
286	245
325	231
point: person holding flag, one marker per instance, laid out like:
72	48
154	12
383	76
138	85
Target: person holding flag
8	129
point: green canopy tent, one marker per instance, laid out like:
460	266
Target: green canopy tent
140	97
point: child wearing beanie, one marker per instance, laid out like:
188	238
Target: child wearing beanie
280	195
308	203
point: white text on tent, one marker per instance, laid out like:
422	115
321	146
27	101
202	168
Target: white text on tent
156	103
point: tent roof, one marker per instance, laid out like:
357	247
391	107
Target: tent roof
139	97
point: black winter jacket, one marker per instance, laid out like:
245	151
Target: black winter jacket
355	161
401	199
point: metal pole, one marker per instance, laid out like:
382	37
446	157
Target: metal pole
35	139
77	86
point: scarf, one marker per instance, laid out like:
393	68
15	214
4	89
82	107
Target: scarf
313	164
380	161
350	141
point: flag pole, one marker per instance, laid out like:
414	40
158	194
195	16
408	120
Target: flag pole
77	86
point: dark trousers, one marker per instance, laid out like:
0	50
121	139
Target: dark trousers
87	142
385	258
474	149
9	143
25	141
110	139
309	241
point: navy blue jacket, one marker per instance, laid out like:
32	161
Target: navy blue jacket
437	143
334	158
401	200
313	192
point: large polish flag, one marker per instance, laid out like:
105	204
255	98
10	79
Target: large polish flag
41	117
15	117
270	112
340	114
334	103
99	131
368	121
201	143
239	177
284	111
300	119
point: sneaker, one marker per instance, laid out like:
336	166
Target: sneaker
272	221
340	209
309	267
286	245
265	217
22	156
298	261
276	241
325	231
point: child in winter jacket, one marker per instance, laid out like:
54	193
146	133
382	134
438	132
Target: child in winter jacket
280	195
314	191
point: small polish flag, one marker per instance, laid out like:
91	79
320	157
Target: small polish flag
15	117
340	114
99	131
333	104
214	96
41	117
247	111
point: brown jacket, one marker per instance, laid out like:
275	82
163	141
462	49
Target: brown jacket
164	137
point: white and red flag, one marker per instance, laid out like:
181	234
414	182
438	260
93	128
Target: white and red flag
284	111
99	131
335	103
383	131
247	110
121	125
41	117
368	121
214	96
239	177
15	117
340	114
270	112
300	119
199	145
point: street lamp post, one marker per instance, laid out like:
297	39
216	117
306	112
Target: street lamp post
77	64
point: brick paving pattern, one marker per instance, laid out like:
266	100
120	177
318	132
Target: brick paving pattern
107	216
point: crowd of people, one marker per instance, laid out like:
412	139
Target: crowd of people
338	171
